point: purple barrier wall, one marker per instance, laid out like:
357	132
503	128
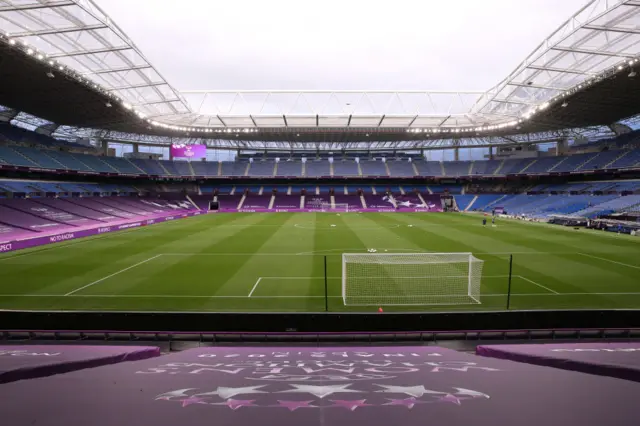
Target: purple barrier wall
334	386
49	239
31	361
621	360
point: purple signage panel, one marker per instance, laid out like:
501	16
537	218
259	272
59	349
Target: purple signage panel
339	386
49	239
188	151
27	362
621	360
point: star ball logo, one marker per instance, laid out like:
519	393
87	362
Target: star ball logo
304	380
236	398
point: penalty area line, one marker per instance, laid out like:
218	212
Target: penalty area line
255	286
611	261
112	275
535	283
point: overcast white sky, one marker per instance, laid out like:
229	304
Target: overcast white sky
338	44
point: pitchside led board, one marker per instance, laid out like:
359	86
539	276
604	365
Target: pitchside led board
195	152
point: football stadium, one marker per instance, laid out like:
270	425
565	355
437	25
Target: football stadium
292	213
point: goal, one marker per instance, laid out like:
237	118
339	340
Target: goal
410	279
339	207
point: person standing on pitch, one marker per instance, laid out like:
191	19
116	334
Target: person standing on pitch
484	221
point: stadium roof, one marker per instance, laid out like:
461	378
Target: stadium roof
77	39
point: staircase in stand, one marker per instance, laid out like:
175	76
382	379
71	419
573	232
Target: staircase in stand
192	203
386	167
617	158
219	168
558	163
164	169
246	169
442	171
359	169
364	203
136	166
193	172
466	209
497	171
333	202
302	197
272	201
62	166
275	169
528	165
415	170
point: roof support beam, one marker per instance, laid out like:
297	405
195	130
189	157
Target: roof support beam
592	52
349	121
560	70
536	86
284	117
90	52
507	101
221	120
613	30
58	31
381	120
137	86
33	6
114	70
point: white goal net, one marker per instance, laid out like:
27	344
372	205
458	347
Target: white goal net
338	207
411	278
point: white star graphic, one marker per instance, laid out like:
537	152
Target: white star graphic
415	391
472	393
182	393
321	391
227	393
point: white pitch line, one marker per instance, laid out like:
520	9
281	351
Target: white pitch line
162	296
539	285
255	286
611	261
114	274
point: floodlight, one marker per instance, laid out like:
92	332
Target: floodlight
12	42
565	104
619	67
30	51
632	74
40	56
50	74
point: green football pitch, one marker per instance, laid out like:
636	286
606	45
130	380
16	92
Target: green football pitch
276	262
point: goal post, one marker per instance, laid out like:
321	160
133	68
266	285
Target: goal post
338	207
370	279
